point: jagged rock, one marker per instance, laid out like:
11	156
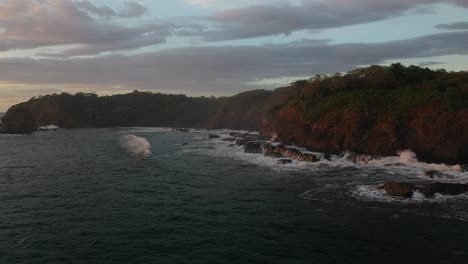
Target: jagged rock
361	158
284	161
229	139
213	136
308	158
399	189
242	142
254	147
270	151
444	188
290	153
295	154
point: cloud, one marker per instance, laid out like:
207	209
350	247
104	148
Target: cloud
431	63
454	26
133	9
287	17
203	3
27	24
223	69
89	29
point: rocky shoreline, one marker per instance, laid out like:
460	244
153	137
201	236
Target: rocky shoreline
256	144
407	190
376	110
287	153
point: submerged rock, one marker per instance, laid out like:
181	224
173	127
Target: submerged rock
213	136
254	147
293	154
399	189
406	190
184	130
243	141
361	158
437	174
284	161
430	190
308	158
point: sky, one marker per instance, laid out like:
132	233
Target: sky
215	47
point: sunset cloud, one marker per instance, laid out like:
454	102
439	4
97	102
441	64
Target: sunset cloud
286	17
209	47
30	24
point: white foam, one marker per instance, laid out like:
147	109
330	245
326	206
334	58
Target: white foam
372	193
406	163
219	148
407	156
48	128
136	146
147	129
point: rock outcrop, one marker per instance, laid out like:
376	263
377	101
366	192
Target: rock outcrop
406	190
430	190
19	120
399	189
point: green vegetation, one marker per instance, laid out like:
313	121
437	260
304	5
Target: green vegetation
377	90
373	91
134	109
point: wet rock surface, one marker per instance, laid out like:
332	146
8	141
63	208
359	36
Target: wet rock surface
284	161
254	147
255	144
406	190
430	190
399	189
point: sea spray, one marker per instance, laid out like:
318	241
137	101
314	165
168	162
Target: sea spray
136	146
407	156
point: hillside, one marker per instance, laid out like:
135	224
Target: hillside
379	110
134	109
376	110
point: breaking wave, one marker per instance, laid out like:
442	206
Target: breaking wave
136	146
374	194
48	128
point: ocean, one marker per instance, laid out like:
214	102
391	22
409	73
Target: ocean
152	195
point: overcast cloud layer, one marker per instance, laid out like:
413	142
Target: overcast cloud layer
89	46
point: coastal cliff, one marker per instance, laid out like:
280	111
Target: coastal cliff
374	110
379	110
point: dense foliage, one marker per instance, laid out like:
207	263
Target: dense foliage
374	91
379	90
134	109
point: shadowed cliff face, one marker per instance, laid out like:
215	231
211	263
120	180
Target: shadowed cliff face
247	110
134	109
435	135
374	110
19	121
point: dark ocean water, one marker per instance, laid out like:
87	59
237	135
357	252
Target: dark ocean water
79	196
